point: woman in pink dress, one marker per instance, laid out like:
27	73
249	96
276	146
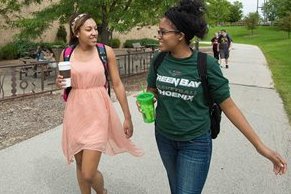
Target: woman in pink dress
91	125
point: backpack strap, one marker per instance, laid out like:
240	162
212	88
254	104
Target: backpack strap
202	71
68	52
66	56
159	59
103	57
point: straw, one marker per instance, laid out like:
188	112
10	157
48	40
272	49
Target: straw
142	88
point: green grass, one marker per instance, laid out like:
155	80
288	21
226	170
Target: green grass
276	47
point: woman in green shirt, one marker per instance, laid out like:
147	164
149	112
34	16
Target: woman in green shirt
182	118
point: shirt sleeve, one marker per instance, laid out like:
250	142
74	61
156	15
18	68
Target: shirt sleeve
218	84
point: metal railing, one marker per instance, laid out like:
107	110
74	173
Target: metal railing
31	78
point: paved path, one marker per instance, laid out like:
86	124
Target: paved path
37	165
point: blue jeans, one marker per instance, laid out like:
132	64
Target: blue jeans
186	162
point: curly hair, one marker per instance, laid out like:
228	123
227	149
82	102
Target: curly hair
188	17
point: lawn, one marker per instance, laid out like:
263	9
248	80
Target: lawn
277	48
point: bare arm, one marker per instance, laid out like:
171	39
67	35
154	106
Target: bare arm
237	118
153	90
119	91
59	79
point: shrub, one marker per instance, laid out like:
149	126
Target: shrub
21	48
114	43
8	52
16	49
143	42
128	43
61	34
148	41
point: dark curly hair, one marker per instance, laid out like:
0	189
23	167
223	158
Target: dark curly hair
188	17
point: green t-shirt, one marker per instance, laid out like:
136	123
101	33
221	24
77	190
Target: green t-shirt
182	112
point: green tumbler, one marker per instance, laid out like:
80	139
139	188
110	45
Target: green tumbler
146	101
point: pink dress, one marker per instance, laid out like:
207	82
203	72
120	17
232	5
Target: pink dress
90	120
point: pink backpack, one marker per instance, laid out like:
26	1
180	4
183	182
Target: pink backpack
103	56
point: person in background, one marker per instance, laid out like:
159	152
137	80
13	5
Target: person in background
224	45
182	126
91	125
214	42
37	52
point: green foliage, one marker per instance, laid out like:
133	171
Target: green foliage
110	15
147	41
252	21
284	23
128	43
25	48
8	52
114	43
61	34
235	12
276	9
270	11
218	11
16	49
143	42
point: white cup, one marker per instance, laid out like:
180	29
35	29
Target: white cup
65	71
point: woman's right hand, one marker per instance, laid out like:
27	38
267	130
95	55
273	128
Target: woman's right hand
280	164
60	82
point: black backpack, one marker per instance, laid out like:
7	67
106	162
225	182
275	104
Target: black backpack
214	109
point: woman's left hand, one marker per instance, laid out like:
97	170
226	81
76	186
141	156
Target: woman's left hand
280	165
128	128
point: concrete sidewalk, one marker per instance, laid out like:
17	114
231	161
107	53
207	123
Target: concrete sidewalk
38	166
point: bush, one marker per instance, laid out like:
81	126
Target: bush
143	42
148	41
114	43
22	48
61	34
8	52
128	43
18	48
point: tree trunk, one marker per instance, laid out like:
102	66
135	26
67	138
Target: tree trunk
104	26
105	34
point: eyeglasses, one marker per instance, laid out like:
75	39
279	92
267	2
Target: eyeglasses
163	32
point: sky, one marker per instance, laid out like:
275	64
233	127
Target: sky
249	5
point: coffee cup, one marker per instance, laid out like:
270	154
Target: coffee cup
146	102
65	71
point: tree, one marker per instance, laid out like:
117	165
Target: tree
217	11
120	15
251	21
285	23
275	9
270	11
235	12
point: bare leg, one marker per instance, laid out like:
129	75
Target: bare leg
98	183
84	186
90	162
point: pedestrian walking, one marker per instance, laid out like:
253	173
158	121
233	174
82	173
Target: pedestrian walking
214	42
182	126
91	125
224	45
